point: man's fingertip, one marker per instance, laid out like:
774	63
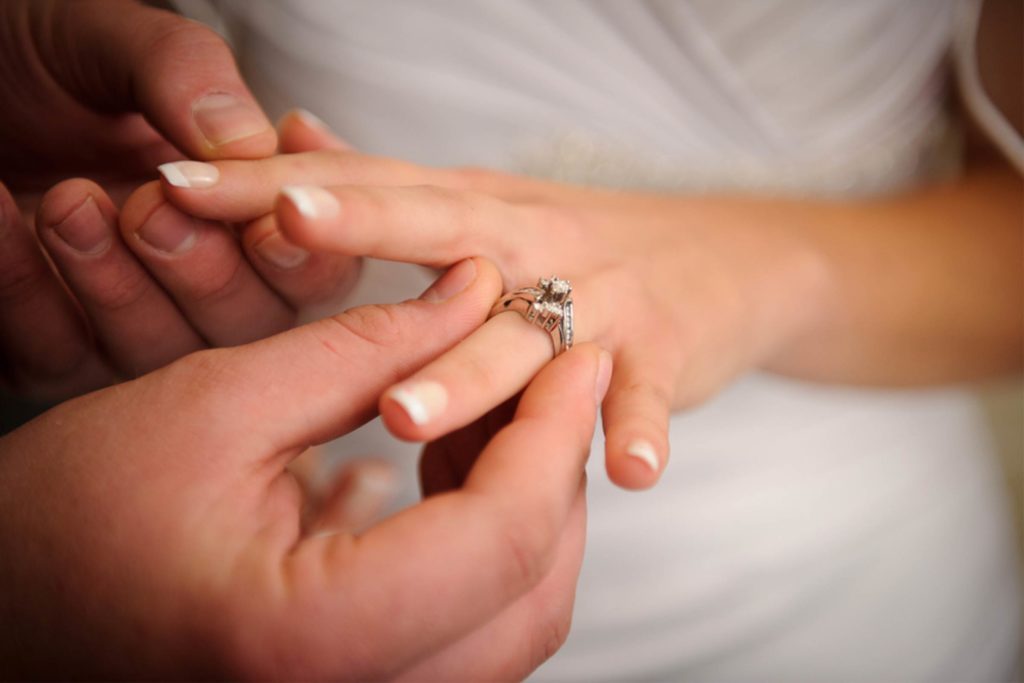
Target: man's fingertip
224	118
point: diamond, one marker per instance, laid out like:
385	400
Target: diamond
567	331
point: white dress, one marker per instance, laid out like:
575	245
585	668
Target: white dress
800	532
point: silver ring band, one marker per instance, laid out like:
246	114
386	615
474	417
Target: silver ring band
548	306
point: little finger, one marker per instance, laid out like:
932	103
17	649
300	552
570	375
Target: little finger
43	339
636	414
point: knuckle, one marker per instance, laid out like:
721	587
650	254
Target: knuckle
535	223
172	37
480	372
469	215
557	221
215	283
529	549
552	634
474	177
123	292
20	279
646	395
198	375
376	324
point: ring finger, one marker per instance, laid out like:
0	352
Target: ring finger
485	369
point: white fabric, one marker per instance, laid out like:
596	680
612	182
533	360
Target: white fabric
800	532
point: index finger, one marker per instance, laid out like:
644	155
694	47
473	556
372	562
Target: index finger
433	573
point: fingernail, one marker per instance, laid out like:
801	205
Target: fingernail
224	118
279	252
168	230
604	376
314	122
421	401
191	174
312	201
451	283
84	229
311	119
643	451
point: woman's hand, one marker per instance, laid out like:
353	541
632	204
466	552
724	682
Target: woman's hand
682	301
151	529
687	292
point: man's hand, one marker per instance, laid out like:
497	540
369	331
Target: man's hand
111	88
102	91
152	530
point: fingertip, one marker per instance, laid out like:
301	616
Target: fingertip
152	226
635	464
273	249
309	216
65	197
474	298
300	130
568	377
408	408
231	125
139	206
183	76
488	277
257	146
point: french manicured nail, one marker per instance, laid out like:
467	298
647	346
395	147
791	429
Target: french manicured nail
451	283
644	452
84	229
604	376
190	174
168	230
279	252
311	119
421	401
312	201
224	118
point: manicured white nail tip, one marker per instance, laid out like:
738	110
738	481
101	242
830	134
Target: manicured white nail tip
311	119
301	198
643	451
189	174
422	401
172	175
412	405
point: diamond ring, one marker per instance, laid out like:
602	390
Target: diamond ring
548	306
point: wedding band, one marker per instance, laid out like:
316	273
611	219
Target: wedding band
548	306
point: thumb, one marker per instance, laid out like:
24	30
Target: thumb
321	380
122	56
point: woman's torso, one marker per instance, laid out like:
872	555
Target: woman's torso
800	531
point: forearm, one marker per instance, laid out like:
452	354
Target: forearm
920	288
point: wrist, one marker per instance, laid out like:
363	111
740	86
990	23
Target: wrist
802	294
788	281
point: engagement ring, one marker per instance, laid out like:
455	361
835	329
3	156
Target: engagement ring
548	306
